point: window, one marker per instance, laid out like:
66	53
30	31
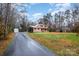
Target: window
34	28
41	25
45	26
38	28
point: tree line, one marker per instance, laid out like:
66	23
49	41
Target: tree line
11	18
7	19
62	21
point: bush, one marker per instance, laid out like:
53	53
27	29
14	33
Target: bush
1	31
30	29
76	28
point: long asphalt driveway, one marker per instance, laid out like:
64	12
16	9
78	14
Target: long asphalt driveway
23	45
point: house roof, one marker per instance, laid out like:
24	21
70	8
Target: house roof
40	26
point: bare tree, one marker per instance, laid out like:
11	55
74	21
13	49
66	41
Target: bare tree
75	16
7	19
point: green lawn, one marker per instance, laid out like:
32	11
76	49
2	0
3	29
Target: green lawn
60	43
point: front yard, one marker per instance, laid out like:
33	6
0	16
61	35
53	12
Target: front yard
61	43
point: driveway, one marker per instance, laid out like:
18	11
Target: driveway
23	45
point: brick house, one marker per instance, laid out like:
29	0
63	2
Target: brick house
39	28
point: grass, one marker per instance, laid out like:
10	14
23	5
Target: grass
4	43
65	44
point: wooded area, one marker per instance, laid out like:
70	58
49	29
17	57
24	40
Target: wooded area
10	18
62	21
7	19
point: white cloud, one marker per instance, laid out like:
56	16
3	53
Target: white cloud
52	13
63	5
36	16
19	5
60	7
50	10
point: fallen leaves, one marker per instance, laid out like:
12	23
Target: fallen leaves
4	43
66	43
62	45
